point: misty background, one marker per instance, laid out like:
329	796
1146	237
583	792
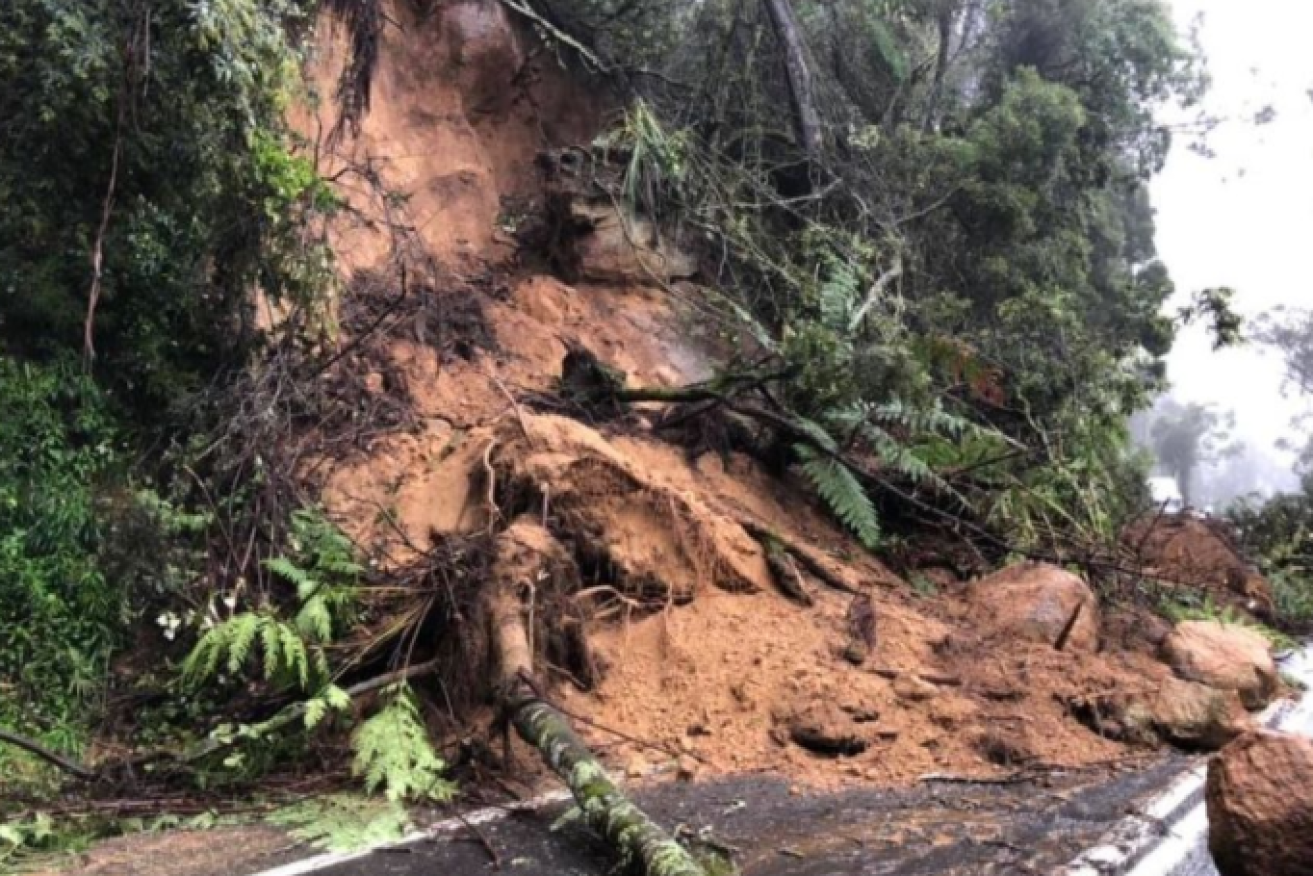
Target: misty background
1243	218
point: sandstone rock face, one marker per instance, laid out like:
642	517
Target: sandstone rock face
1260	806
1039	603
1224	657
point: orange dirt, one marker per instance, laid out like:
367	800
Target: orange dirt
703	656
1199	555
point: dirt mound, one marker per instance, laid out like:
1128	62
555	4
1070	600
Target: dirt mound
1185	551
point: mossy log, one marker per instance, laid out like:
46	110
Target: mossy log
640	843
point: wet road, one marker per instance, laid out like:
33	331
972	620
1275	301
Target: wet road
943	829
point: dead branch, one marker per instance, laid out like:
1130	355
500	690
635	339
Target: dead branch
31	746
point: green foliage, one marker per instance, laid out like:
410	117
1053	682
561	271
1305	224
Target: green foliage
655	166
1178	610
1279	533
393	752
20	837
324	572
61	617
274	645
844	494
181	104
341	823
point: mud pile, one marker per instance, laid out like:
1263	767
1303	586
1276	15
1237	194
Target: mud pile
696	661
1199	556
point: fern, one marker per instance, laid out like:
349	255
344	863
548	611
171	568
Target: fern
843	494
393	752
231	646
343	823
838	295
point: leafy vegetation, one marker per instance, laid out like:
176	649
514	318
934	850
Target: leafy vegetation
62	617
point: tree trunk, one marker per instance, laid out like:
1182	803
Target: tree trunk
945	19
636	839
802	90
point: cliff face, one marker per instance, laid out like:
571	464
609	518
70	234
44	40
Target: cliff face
451	254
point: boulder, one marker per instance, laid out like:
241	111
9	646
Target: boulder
821	727
1039	603
1226	657
622	248
1196	716
1260	806
1184	713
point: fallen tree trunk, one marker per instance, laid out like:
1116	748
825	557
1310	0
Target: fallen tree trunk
636	839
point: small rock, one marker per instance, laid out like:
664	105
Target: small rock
856	653
636	768
913	689
1226	657
688	768
1260	806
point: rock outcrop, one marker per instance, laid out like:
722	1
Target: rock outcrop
1260	806
1039	603
1225	657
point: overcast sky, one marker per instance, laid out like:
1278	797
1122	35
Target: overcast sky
1244	218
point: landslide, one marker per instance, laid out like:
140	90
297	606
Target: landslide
472	262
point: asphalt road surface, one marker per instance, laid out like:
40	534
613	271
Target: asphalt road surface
939	828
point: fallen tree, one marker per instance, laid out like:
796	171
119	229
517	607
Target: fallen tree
525	554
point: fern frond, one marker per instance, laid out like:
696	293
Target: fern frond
344	824
241	633
270	640
314	621
843	495
290	572
838	295
296	660
393	752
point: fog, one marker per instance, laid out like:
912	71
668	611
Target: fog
1244	219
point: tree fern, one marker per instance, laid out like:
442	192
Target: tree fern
393	752
843	494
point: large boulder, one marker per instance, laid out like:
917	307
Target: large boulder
1197	716
619	247
1039	603
1184	713
1226	657
1260	806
